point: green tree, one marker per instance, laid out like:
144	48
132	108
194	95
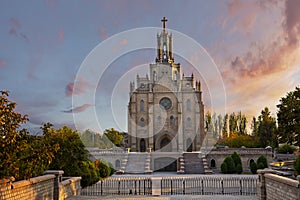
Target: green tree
237	162
286	148
22	155
72	157
224	168
254	127
288	117
267	129
230	165
114	136
225	125
262	162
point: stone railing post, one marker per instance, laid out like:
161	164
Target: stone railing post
58	178
261	187
156	186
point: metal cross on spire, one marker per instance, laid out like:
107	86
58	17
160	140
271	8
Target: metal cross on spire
164	21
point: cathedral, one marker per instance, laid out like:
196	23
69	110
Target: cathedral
165	110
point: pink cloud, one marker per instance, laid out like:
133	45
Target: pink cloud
82	86
102	34
15	23
61	35
13	32
78	109
3	63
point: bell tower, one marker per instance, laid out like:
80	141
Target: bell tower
164	45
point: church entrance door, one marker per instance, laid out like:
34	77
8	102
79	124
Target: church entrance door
142	145
165	144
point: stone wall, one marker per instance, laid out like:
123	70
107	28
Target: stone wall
273	187
217	155
46	187
69	187
41	187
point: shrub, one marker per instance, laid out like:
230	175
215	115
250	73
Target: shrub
230	165
237	161
260	165
224	168
239	169
253	168
297	165
104	169
262	159
286	149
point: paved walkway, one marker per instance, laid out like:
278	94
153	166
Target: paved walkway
177	197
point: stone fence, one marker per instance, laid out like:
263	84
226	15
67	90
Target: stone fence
245	185
47	187
272	186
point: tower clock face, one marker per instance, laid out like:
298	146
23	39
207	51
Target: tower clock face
166	103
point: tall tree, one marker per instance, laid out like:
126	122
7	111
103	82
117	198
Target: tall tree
225	126
288	117
267	129
114	136
254	126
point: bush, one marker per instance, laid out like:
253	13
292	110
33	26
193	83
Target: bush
237	161
260	165
297	165
230	165
286	149
264	162
239	169
253	168
224	168
88	172
104	169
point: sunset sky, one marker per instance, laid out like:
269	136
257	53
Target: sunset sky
43	44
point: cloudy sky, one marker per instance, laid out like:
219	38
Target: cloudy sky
43	44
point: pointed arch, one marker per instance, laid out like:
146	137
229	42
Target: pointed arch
172	120
142	105
188	105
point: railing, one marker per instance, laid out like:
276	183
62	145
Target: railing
244	185
120	186
210	185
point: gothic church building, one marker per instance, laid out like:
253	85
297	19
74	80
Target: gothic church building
165	111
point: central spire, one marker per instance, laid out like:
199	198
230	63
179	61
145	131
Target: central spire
164	44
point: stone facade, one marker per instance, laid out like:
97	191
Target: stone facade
165	111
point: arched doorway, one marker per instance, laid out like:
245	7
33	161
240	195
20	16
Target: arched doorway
165	144
118	164
142	145
212	163
189	145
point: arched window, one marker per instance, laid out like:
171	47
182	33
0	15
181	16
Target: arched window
172	120
158	120
118	164
142	105
212	163
175	76
142	122
188	105
251	161
189	122
154	76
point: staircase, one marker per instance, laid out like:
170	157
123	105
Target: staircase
193	163
138	163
